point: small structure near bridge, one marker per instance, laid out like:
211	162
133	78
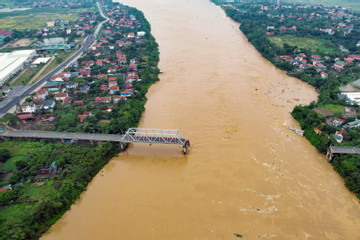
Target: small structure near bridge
340	150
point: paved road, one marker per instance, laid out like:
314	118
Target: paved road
15	97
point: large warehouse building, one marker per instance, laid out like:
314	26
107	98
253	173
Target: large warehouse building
13	62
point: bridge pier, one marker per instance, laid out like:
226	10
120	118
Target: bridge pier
329	155
122	146
186	147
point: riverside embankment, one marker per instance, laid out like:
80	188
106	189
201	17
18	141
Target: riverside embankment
246	172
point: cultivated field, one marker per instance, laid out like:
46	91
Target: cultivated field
32	21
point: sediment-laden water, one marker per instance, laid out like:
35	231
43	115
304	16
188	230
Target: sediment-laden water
246	172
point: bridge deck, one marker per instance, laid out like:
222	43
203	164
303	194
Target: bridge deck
345	150
136	136
63	136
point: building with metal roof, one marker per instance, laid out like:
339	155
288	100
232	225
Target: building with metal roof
13	62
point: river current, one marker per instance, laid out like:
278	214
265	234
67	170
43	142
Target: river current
246	173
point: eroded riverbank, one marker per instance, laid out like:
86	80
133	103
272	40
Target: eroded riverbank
246	172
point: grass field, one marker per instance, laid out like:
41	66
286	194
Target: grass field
9	165
355	4
316	45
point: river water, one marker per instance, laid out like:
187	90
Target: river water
246	172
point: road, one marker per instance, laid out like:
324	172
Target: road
15	97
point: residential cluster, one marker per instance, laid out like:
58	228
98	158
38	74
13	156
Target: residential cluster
99	80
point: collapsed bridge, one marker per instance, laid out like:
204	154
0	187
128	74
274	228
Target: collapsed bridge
132	135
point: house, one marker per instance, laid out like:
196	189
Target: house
28	107
43	93
27	116
82	117
113	89
103	87
112	83
334	121
117	98
66	101
103	99
338	137
71	85
109	109
52	171
122	60
48	104
6	188
79	103
127	93
324	75
84	89
315	57
354	124
50	23
60	96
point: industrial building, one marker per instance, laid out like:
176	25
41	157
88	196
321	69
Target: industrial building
13	62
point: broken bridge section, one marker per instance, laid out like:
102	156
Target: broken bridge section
133	135
156	136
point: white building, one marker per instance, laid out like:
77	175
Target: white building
352	97
28	107
13	62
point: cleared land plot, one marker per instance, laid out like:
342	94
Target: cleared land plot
21	43
330	109
316	45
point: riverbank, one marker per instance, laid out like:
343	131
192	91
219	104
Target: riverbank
47	178
318	130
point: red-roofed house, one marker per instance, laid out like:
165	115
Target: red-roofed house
113	89
43	93
60	96
109	109
127	92
324	75
112	83
66	101
79	103
103	87
103	99
28	116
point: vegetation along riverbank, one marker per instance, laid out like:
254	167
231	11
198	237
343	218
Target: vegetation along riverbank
319	45
102	92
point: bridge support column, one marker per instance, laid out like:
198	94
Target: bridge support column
329	155
186	147
122	146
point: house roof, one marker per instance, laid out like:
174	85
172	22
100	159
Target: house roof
26	116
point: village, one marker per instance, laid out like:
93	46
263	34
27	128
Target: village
96	82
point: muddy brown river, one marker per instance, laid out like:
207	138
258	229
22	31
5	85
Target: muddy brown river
246	172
